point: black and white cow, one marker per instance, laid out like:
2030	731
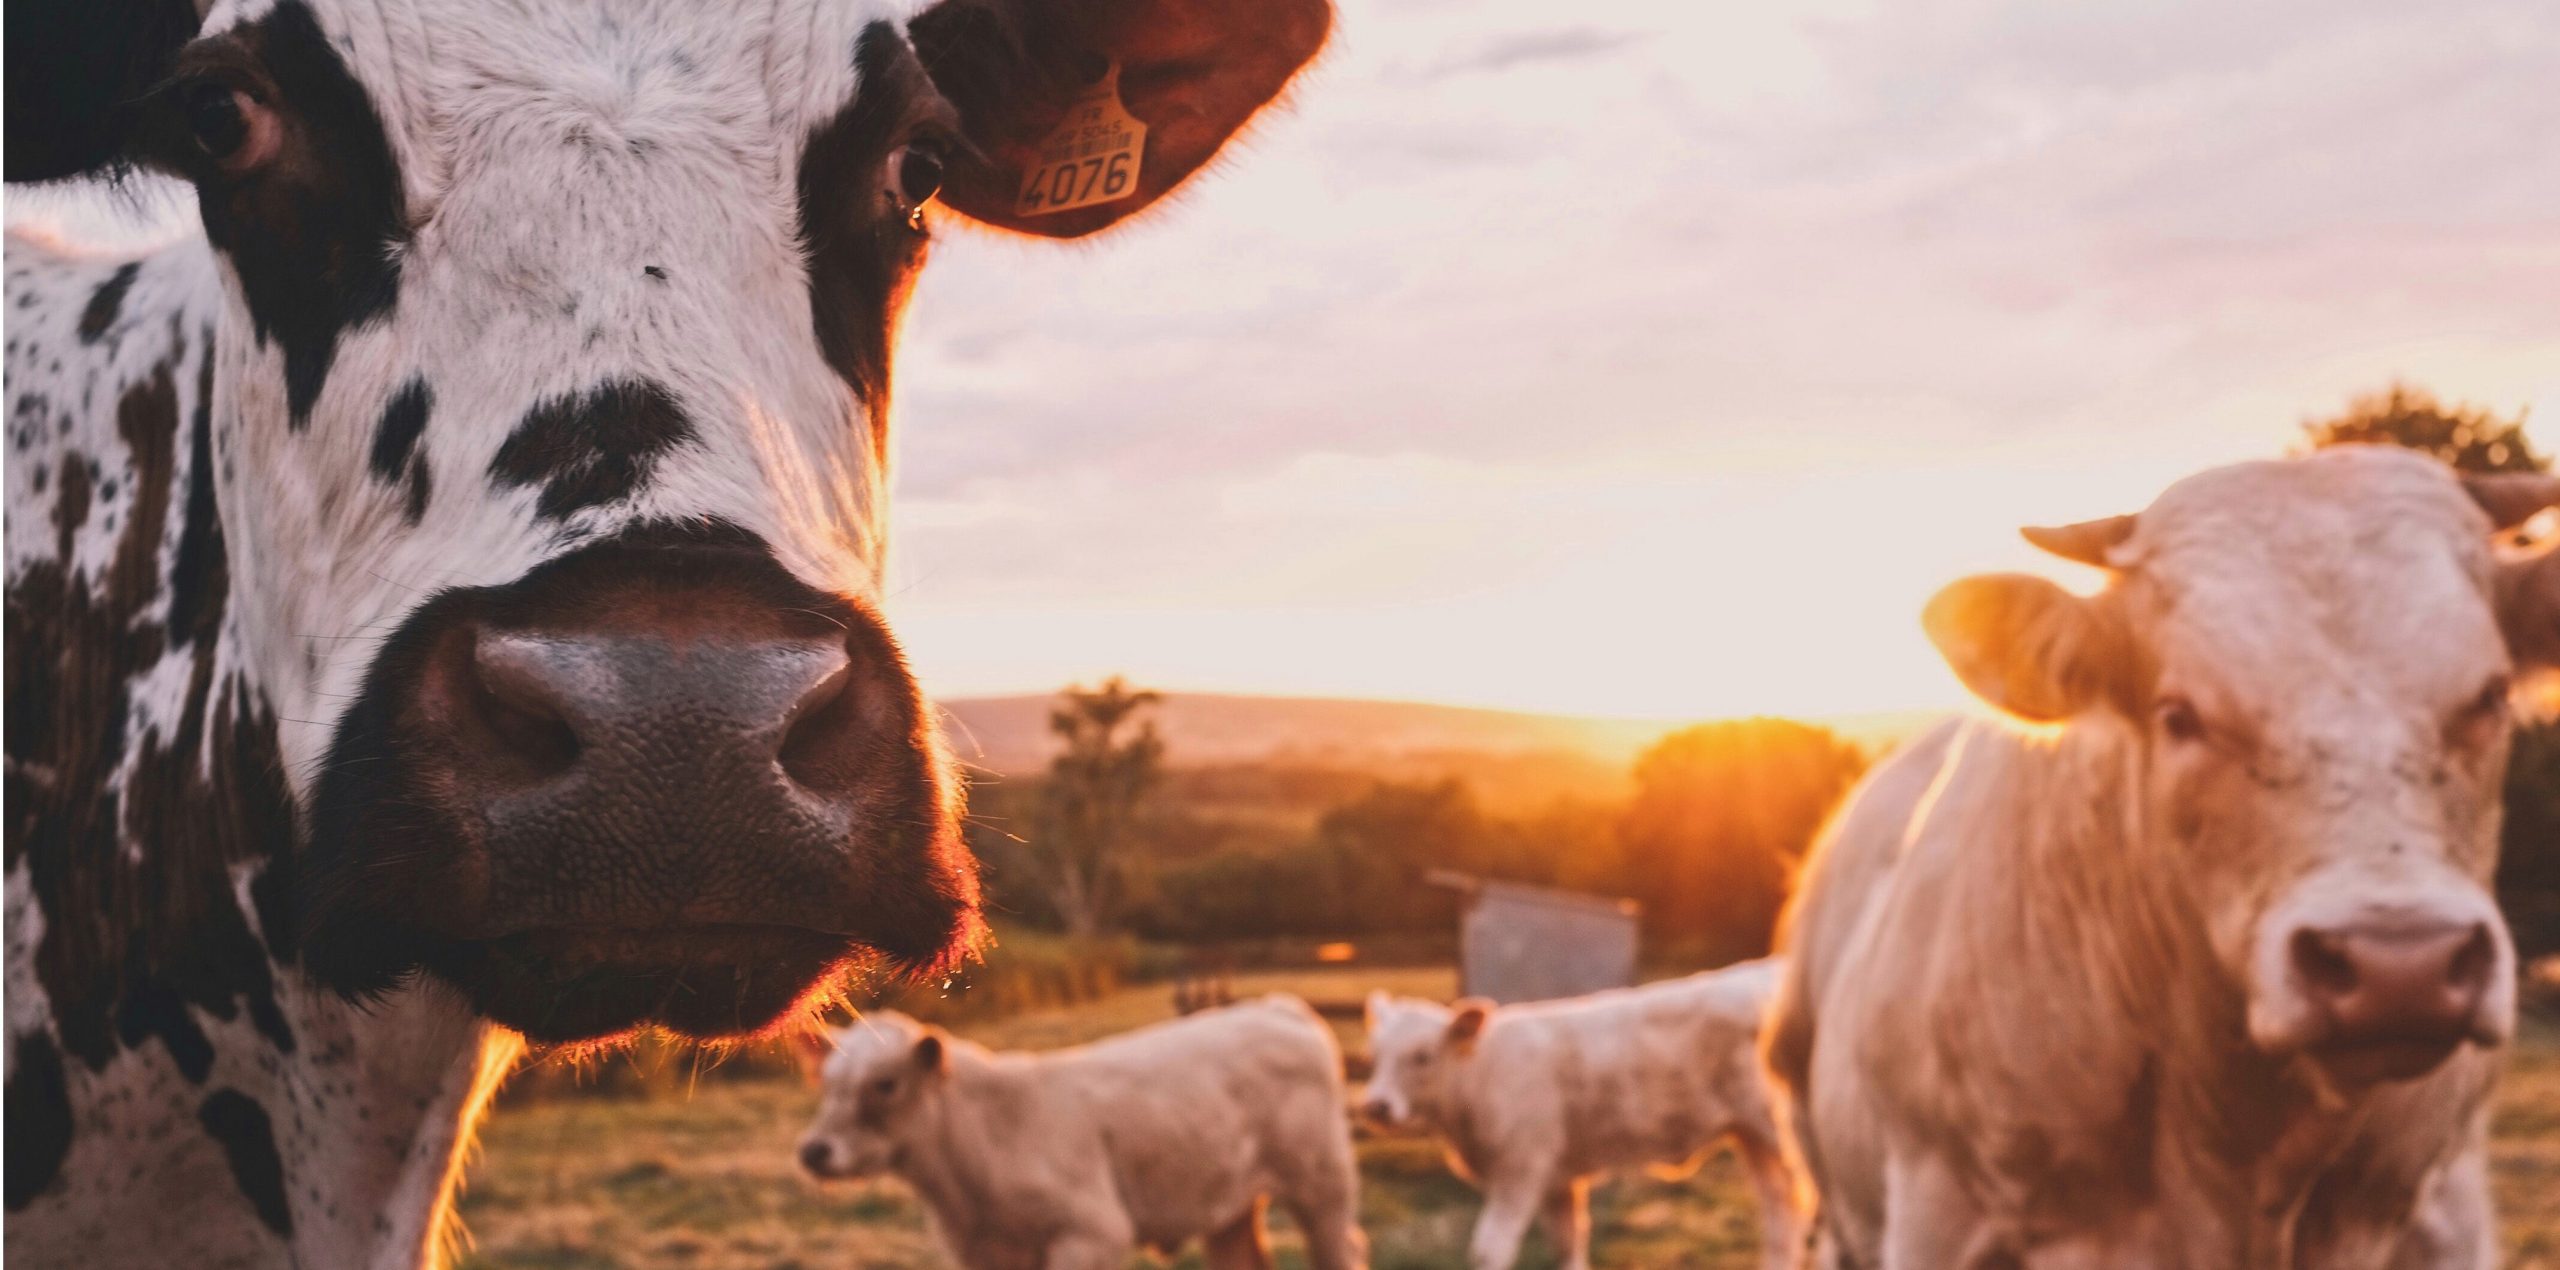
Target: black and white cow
441	595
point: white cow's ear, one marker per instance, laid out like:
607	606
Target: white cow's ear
929	1055
1468	1020
2512	498
2529	608
1376	1006
2025	645
1192	73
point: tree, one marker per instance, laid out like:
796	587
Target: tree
1373	851
2471	438
2474	439
1722	813
1110	758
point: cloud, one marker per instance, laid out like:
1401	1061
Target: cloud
1557	44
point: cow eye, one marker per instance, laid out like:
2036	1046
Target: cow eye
2178	719
916	168
228	125
885	1086
2492	701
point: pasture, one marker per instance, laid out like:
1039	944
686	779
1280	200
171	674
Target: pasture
706	1182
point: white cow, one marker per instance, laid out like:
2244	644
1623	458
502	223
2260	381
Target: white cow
2204	971
1536	1100
1079	1157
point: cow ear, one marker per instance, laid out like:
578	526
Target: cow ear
76	69
1191	72
929	1055
2024	644
1375	1006
1468	1020
2512	498
2529	609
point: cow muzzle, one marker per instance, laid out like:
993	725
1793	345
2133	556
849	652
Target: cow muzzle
2384	992
658	785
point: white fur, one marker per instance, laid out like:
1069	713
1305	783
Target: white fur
1548	1096
2032	971
1080	1157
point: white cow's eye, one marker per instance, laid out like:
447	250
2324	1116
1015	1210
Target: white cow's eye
885	1086
2492	701
2178	719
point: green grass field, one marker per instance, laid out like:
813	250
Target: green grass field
708	1183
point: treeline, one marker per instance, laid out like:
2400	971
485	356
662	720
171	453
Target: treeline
1706	841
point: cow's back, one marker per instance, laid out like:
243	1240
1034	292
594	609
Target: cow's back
1199	1115
1649	1075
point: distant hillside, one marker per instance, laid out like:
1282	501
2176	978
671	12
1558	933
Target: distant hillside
1011	734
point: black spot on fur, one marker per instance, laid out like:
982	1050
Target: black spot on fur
152	1009
403	422
395	444
39	1109
420	489
106	303
248	1140
200	580
316	233
592	448
862	254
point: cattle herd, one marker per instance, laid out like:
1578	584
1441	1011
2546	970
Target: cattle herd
442	619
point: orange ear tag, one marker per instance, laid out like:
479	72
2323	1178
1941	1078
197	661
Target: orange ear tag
1092	157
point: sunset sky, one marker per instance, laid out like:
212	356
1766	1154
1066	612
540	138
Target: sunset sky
1661	359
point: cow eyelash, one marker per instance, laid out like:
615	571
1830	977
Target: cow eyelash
219	117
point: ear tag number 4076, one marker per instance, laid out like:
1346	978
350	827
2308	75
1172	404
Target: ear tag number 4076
1092	158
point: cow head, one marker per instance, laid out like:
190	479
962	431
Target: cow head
1415	1047
2311	662
551	409
876	1082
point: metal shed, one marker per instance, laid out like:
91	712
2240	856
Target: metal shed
1532	943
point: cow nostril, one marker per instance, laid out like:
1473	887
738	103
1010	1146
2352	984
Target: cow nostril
2324	963
522	713
813	1156
2469	968
822	729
